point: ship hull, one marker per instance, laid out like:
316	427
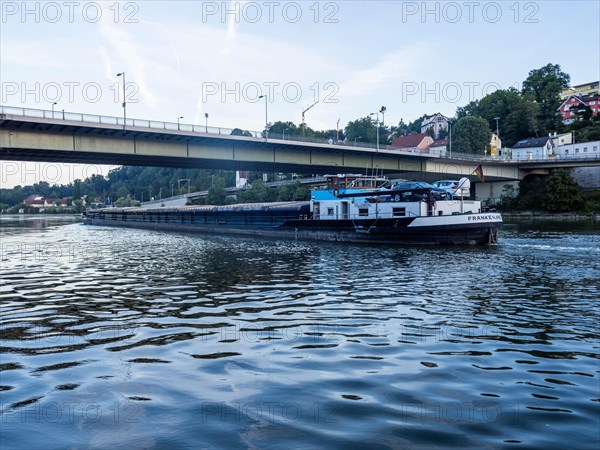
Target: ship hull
468	229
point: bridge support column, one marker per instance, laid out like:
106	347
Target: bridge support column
493	190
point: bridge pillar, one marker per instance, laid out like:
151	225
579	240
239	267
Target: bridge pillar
492	190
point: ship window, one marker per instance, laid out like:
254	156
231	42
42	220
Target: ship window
363	211
330	211
398	212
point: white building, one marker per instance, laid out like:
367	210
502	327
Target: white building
556	146
436	121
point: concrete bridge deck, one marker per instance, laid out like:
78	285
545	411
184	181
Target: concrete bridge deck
41	135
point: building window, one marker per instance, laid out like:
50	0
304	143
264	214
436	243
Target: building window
584	149
595	148
398	212
330	211
576	150
363	211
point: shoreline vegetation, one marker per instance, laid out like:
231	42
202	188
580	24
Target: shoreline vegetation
522	216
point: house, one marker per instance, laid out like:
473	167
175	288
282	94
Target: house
413	142
495	145
533	148
562	139
579	150
436	121
574	105
439	147
582	89
35	200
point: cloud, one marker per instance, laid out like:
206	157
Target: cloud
122	43
393	67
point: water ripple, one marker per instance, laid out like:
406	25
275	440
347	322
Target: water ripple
176	340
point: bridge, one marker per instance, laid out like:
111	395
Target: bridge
55	136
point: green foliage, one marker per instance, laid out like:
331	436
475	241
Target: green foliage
127	201
586	130
562	193
557	193
240	132
544	86
292	192
361	130
532	192
470	109
471	134
216	194
517	117
258	192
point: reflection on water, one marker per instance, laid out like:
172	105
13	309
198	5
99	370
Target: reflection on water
127	338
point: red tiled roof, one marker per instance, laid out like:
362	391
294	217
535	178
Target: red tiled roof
412	140
439	142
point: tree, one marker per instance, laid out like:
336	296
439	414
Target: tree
240	132
562	192
216	194
544	86
532	192
281	128
292	192
471	135
470	109
361	130
258	192
520	123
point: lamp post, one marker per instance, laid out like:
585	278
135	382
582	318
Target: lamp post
54	103
450	137
124	101
284	130
206	121
266	117
180	117
382	111
337	131
358	137
377	127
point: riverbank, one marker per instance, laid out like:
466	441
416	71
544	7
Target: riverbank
541	216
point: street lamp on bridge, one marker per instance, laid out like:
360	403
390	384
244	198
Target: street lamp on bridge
124	100
266	117
377	125
180	117
54	103
206	121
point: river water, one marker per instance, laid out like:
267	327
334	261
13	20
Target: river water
121	338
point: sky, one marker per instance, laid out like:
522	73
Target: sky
191	58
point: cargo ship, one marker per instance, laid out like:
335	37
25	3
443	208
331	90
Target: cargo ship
352	208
